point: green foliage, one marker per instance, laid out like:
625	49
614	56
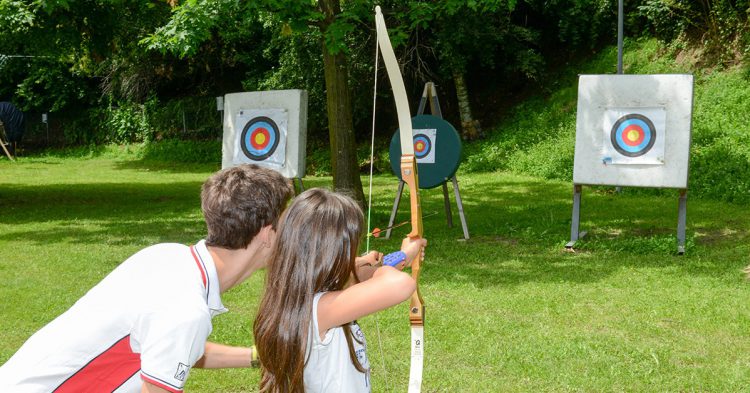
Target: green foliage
526	142
192	23
53	87
126	123
720	27
16	16
720	157
180	151
189	118
83	130
579	23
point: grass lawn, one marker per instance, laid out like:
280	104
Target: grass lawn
508	310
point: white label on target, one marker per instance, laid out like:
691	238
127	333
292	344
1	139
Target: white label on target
261	136
424	145
634	136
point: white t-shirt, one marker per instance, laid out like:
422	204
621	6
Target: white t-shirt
329	367
148	320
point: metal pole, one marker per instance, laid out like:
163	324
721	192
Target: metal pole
681	222
45	120
619	50
619	35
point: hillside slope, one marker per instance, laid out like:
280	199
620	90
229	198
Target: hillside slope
538	138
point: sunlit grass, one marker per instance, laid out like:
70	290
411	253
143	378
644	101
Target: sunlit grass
508	310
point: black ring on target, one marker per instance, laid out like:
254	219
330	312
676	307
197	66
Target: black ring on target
270	131
427	146
644	134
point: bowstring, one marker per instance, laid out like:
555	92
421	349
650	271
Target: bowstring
369	197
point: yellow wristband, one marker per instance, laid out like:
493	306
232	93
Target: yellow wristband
254	360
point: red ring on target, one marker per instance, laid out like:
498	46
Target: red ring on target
260	138
633	135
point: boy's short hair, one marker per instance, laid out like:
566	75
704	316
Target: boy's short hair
238	201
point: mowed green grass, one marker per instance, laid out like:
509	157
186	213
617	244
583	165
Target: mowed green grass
508	310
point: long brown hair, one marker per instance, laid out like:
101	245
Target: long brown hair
317	240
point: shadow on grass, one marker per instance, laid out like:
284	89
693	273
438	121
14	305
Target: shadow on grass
518	227
167	167
117	213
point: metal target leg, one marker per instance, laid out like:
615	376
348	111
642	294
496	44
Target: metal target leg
447	201
460	206
681	222
574	235
301	186
395	208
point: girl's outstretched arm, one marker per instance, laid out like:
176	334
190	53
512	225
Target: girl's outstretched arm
387	287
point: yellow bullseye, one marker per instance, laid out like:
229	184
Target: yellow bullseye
260	138
633	135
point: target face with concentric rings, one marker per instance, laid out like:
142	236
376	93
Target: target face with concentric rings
422	146
633	135
260	137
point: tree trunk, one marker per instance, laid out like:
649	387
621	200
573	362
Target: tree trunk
340	126
470	129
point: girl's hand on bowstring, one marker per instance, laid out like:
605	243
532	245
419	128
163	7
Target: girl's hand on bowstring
364	266
372	258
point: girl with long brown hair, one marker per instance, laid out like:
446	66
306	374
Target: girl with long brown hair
316	288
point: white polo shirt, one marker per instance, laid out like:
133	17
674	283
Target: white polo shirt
148	320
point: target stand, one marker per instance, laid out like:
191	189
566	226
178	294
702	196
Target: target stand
267	128
634	131
437	163
2	143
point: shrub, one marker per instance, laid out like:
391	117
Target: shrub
175	150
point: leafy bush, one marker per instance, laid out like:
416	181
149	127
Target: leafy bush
175	150
126	123
720	27
184	118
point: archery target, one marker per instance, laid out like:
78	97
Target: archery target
634	136
263	136
260	138
424	145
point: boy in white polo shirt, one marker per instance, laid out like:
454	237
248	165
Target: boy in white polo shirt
145	325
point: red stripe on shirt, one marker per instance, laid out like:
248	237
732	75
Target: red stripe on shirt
105	372
200	266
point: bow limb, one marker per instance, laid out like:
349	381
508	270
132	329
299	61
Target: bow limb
410	177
